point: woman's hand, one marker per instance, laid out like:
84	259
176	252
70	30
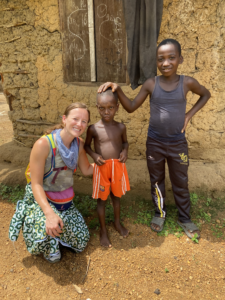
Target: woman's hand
106	85
54	224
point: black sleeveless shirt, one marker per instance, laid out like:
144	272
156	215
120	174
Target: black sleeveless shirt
167	113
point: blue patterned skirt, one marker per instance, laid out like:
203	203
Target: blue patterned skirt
30	218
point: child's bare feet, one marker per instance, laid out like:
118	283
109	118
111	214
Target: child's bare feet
121	229
104	240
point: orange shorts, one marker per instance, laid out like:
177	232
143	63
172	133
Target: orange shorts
112	174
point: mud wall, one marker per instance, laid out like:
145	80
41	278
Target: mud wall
31	64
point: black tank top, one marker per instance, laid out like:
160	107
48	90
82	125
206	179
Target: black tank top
167	112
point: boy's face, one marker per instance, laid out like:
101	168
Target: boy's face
107	107
168	59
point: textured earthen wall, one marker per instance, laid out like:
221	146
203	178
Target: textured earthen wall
39	94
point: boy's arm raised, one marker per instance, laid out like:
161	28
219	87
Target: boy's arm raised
128	105
194	86
87	146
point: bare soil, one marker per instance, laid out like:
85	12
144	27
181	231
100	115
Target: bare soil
134	268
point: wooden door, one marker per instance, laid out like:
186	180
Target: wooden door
110	40
94	40
76	48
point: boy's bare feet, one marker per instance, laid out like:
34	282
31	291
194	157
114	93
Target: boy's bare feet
104	240
121	229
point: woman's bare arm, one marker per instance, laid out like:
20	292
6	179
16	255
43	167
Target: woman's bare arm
83	163
38	157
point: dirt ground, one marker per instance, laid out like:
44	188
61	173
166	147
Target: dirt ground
134	268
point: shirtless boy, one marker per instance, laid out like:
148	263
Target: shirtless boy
111	148
166	134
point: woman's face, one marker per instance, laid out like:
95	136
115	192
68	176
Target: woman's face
76	121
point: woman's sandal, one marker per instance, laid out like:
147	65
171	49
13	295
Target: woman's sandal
189	229
159	222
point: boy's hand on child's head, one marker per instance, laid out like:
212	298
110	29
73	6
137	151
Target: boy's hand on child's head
107	85
123	156
99	160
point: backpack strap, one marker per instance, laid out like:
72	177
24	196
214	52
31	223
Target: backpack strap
27	174
53	150
78	143
52	143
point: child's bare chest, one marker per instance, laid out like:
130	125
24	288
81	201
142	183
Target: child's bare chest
105	135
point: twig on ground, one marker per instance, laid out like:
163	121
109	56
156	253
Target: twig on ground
20	260
17	252
87	269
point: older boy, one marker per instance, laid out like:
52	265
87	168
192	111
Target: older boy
166	134
111	148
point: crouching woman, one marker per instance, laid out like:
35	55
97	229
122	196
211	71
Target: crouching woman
47	214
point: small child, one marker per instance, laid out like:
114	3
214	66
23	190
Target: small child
111	148
166	133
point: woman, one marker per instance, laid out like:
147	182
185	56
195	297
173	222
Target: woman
47	213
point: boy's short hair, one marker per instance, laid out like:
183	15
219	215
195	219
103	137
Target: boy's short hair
108	92
171	41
